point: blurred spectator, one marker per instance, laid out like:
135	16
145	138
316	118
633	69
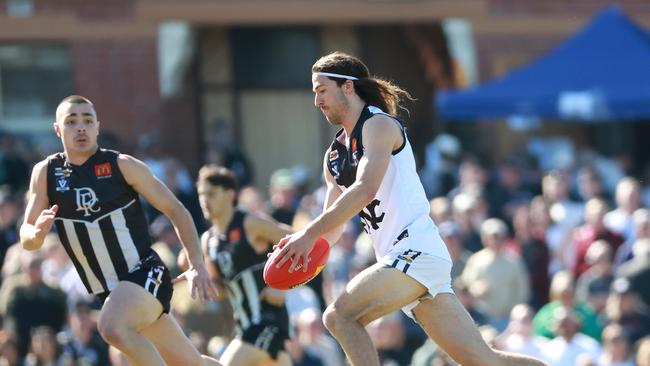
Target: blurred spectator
82	343
341	259
625	307
497	279
251	200
8	350
637	269
175	177
10	211
471	177
388	337
299	355
617	350
438	175
509	190
569	344
641	221
314	339
643	352
167	244
282	190
57	263
468	301
562	295
628	200
589	185
464	208
14	170
28	299
518	336
565	215
44	349
440	210
232	157
593	229
451	236
593	285
117	358
530	245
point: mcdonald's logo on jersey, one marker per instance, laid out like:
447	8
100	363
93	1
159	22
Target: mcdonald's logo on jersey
234	235
103	170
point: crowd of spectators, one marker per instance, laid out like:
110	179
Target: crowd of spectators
550	260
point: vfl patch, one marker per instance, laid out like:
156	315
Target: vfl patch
334	154
62	184
103	170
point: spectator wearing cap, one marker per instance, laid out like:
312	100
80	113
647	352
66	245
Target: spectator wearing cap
593	286
569	344
459	256
562	295
496	278
637	270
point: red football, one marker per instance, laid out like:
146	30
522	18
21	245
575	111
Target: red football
281	279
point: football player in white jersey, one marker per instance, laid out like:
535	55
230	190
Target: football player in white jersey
370	171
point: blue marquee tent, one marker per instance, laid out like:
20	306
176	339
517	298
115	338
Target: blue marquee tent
600	73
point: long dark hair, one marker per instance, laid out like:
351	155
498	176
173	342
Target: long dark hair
373	90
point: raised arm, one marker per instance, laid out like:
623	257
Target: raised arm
39	217
138	175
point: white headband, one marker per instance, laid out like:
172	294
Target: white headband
336	75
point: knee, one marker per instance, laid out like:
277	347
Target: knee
114	334
334	319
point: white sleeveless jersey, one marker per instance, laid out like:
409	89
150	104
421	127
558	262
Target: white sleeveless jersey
400	208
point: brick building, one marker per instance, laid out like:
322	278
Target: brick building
203	74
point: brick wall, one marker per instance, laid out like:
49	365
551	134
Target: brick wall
121	77
559	7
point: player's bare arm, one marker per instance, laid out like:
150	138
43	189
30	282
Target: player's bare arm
138	175
262	231
39	217
381	136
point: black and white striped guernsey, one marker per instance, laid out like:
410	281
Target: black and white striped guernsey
240	268
100	220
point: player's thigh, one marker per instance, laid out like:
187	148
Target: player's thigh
171	342
377	291
239	353
448	324
131	306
